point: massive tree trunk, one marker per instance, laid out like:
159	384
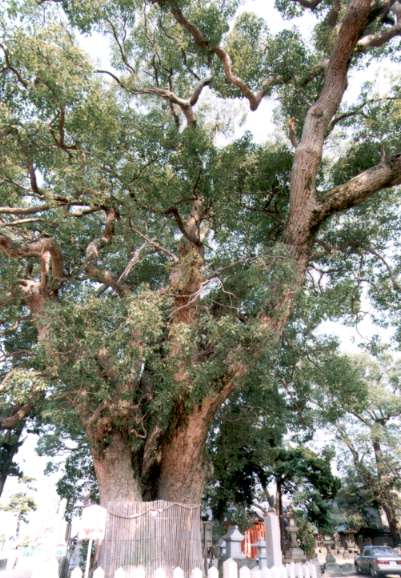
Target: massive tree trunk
114	472
164	532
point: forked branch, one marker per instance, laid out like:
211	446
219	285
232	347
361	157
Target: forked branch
92	254
46	249
185	104
203	42
393	14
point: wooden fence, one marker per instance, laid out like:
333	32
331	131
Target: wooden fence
229	570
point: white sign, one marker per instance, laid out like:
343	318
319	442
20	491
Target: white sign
92	523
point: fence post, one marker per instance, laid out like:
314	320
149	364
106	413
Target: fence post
291	570
299	570
266	573
178	573
230	569
244	572
139	572
313	569
196	573
256	572
160	573
275	571
213	572
76	573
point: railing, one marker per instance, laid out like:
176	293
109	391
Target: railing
230	570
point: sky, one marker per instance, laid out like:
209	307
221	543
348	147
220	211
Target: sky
260	123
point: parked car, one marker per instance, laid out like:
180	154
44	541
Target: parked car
378	561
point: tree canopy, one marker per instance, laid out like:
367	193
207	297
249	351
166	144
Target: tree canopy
152	269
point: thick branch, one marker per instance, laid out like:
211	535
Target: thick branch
184	228
92	255
377	40
132	262
309	151
24	210
17	415
359	188
46	249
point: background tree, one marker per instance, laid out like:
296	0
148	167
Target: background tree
157	269
21	395
259	445
370	434
21	504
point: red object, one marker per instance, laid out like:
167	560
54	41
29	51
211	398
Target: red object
252	536
383	562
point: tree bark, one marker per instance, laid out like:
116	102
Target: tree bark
385	497
114	472
182	469
392	521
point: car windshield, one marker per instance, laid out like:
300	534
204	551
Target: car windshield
383	551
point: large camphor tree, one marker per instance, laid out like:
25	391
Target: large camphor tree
154	265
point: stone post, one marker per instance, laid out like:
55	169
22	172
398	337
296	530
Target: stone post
273	542
261	548
294	553
233	540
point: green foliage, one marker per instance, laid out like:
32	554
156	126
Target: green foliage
370	434
146	323
20	504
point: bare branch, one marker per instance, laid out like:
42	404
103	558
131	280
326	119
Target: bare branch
59	139
23	221
198	90
132	262
120	47
184	104
182	226
201	41
24	210
339	118
154	244
395	283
